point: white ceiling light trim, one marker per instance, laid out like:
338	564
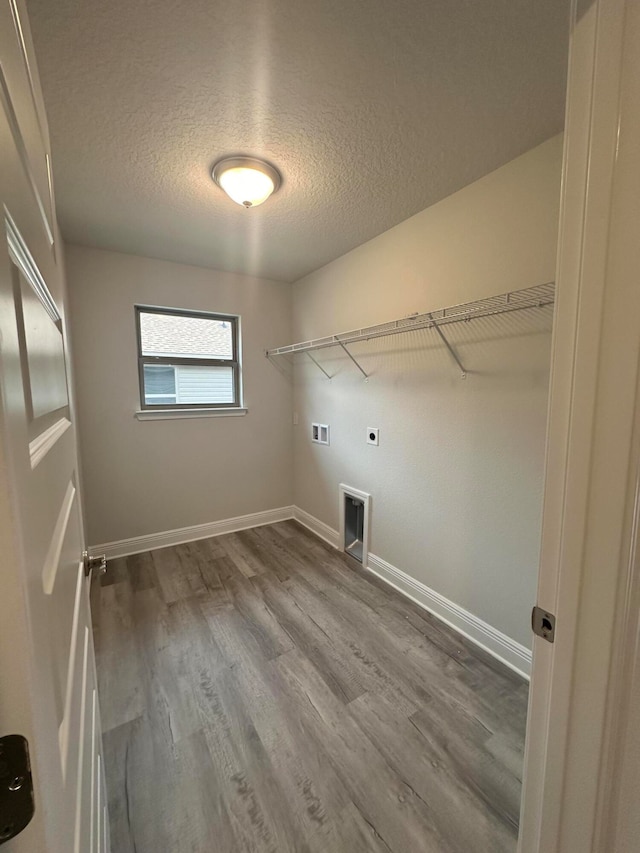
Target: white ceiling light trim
246	180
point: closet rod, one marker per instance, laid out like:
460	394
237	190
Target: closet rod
538	296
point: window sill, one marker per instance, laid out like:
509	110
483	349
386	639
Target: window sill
172	414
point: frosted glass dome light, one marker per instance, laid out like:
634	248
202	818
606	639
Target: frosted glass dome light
245	180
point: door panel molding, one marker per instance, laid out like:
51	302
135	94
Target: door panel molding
42	444
80	815
95	757
43	357
23	154
20	37
23	259
73	681
41	334
52	560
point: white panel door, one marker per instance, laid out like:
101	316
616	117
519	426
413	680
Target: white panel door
47	669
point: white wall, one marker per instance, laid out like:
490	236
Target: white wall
457	478
145	477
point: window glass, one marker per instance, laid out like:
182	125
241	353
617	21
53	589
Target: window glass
185	336
159	384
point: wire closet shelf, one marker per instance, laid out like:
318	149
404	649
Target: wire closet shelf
539	296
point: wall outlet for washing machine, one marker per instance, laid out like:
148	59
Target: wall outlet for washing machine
373	435
320	433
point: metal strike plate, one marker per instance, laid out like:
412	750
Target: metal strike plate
16	786
543	624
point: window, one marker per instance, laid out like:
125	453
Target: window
187	359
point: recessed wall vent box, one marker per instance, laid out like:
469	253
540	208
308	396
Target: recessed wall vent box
353	527
320	433
355	512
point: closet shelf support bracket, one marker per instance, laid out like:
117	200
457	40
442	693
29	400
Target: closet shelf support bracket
452	352
366	377
318	365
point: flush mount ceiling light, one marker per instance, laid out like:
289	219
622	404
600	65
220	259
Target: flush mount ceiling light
246	180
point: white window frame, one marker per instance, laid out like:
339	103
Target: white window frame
175	361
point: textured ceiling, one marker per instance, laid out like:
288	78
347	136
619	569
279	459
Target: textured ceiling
371	109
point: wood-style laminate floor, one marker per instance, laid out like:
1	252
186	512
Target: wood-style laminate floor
260	692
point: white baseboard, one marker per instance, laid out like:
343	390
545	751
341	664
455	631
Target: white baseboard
138	544
508	651
331	536
512	654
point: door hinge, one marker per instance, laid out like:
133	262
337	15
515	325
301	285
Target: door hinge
97	564
543	624
16	786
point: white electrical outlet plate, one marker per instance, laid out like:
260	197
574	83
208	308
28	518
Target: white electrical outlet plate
373	435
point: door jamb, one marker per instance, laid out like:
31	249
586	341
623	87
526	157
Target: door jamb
590	450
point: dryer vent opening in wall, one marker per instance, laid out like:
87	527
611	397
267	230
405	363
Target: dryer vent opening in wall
354	527
355	518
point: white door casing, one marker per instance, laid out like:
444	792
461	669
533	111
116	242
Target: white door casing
47	668
591	455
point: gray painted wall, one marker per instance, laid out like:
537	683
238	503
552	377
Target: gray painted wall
457	478
144	477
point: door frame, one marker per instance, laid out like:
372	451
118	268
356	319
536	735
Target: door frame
592	456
